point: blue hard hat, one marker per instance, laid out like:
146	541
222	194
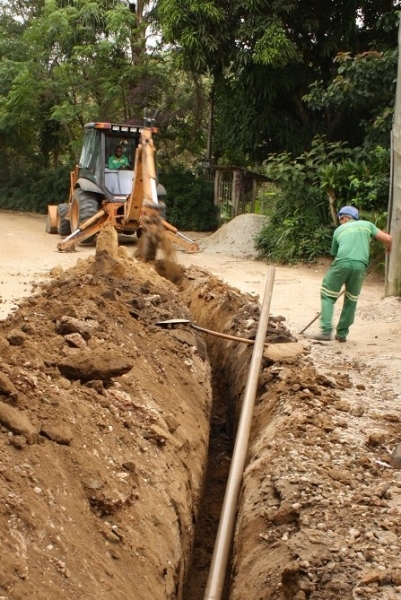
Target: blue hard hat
349	211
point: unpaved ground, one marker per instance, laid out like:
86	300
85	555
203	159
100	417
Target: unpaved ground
320	508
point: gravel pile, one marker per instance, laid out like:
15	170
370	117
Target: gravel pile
237	237
388	310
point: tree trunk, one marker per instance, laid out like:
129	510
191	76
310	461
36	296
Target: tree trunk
332	200
210	127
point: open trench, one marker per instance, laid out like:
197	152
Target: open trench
227	311
308	486
219	460
213	310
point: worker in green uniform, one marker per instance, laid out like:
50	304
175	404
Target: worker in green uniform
351	249
118	160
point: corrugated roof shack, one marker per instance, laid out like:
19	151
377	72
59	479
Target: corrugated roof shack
235	190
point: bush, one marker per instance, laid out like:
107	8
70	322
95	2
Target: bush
32	189
189	201
313	186
294	235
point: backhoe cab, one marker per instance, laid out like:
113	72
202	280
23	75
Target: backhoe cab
119	190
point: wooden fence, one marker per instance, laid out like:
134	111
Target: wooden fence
230	195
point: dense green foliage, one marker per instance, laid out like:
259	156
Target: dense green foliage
263	56
312	188
313	80
64	63
189	201
305	88
294	235
31	189
332	174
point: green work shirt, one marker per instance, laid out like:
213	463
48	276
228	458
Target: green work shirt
116	163
351	241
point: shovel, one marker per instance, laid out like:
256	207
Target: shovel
317	316
172	322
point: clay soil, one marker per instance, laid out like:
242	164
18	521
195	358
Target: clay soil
107	420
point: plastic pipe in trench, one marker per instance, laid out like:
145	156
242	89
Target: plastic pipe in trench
218	567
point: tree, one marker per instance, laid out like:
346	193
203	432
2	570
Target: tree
264	55
75	61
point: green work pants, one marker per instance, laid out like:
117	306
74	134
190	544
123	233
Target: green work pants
351	274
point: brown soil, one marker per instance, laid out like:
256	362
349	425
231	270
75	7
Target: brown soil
105	420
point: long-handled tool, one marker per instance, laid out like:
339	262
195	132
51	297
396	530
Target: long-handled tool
317	316
172	322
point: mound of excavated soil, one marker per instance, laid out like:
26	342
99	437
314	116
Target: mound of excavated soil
237	237
104	433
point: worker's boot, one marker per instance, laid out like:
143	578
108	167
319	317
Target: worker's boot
341	339
321	337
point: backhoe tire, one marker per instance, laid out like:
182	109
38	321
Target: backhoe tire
63	224
83	206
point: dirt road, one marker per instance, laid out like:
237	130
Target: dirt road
372	354
28	253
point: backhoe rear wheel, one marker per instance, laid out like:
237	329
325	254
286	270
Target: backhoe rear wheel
63	224
83	206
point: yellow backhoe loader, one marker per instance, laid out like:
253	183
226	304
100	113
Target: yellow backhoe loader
115	183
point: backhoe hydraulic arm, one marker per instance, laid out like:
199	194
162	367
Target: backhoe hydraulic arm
144	185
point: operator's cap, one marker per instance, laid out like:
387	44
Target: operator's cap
349	211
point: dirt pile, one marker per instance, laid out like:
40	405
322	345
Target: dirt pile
104	433
321	503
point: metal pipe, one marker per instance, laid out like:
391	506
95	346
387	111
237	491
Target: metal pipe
218	567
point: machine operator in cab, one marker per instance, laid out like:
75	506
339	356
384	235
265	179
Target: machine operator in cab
118	160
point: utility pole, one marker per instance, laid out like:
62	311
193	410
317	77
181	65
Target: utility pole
393	264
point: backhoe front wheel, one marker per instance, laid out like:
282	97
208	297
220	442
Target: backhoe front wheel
83	206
